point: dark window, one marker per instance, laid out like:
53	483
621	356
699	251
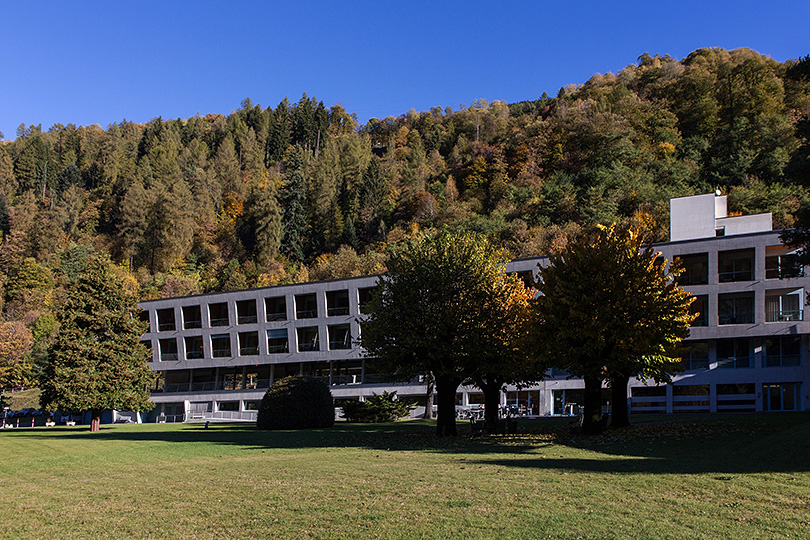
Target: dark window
168	349
165	319
275	309
783	351
143	315
192	317
308	339
700	307
365	295
783	266
733	353
695	269
194	347
306	306
220	345
736	265
227	405
786	306
218	314
340	337
735	308
277	341
337	303
696	357
246	312
248	343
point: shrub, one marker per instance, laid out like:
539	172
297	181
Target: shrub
296	403
384	408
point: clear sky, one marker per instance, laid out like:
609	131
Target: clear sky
94	62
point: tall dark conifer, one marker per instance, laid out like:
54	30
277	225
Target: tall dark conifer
294	196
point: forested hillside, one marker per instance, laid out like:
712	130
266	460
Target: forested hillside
301	191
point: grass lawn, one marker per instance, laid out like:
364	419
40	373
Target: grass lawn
735	477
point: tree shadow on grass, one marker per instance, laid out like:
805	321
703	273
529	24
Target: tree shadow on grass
722	445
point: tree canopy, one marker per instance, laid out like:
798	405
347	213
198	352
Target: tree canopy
446	308
97	361
609	309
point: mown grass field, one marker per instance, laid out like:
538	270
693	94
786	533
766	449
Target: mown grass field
711	477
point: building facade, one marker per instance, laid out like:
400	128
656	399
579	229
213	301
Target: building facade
748	350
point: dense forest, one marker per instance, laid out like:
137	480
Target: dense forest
300	192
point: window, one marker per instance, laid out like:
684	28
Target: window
203	380
251	405
697	356
227	405
695	269
277	341
246	312
735	308
308	339
248	343
736	265
781	396
348	372
306	306
365	295
780	264
165	319
275	309
194	347
192	317
784	305
783	351
257	377
143	316
339	337
221	345
700	307
337	303
168	349
218	314
733	353
230	378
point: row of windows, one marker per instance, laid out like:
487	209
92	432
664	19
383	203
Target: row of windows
738	265
343	372
738	308
308	339
275	309
783	351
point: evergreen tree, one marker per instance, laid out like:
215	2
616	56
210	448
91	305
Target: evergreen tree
294	196
97	361
278	135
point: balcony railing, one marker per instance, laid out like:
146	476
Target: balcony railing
278	348
732	362
305	347
339	344
335	311
306	313
784	316
168	356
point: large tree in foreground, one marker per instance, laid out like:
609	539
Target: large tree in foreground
610	309
444	308
97	361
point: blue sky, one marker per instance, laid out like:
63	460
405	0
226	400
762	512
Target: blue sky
99	62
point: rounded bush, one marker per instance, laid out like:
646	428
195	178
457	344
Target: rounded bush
296	403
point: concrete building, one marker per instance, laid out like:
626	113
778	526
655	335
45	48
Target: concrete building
216	354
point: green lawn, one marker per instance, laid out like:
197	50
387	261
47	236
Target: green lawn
714	477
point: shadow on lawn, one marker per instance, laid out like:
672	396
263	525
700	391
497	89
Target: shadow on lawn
723	445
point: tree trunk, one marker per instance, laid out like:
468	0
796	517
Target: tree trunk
492	400
431	388
95	420
592	413
446	396
619	415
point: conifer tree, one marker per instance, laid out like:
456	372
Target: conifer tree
97	361
294	194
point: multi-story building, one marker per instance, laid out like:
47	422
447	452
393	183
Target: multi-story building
216	354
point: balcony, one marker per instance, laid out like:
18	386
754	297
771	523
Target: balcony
736	265
784	316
